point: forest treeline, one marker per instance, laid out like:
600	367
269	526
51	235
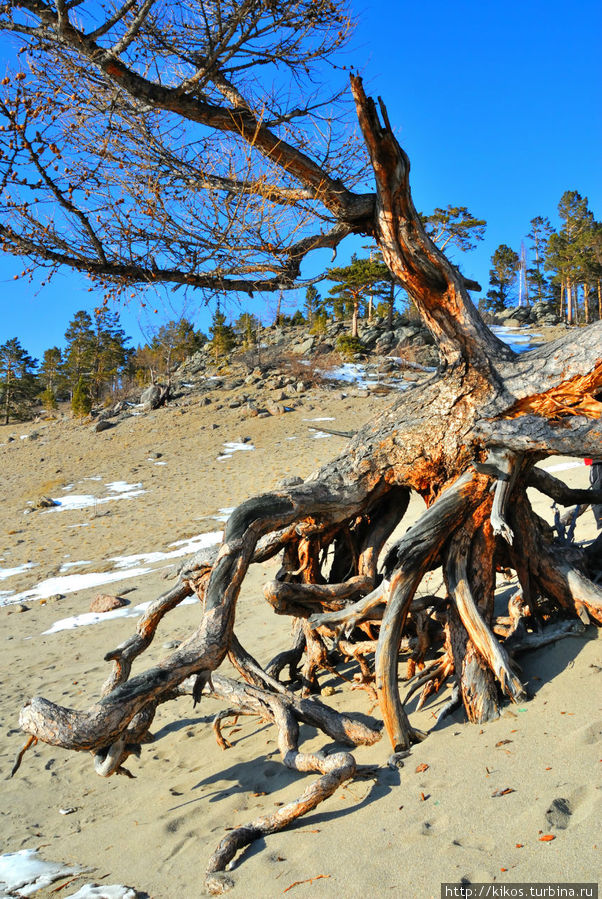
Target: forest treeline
561	267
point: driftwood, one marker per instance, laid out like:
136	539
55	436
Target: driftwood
466	441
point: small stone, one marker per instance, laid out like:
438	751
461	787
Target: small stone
21	607
328	691
104	602
44	502
172	644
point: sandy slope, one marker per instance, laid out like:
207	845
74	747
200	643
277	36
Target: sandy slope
401	834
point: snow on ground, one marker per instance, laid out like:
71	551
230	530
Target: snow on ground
125	567
184	548
117	490
517	340
232	447
23	873
13	572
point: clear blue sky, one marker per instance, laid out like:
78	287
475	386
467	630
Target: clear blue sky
497	104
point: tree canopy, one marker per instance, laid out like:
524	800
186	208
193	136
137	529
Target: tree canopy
219	191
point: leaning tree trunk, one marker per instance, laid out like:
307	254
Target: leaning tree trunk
466	441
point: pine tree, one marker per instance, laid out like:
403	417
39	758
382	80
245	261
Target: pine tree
312	303
81	402
502	278
246	327
454	225
539	235
174	342
355	284
79	352
18	383
222	335
109	354
52	377
567	251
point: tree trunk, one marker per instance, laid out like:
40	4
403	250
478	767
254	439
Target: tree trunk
355	317
466	440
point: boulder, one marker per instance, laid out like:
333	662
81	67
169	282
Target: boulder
102	424
302	349
151	398
104	602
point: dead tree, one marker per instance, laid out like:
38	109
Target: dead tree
466	440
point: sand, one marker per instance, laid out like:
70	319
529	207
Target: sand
401	834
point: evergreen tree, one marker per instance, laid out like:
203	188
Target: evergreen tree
109	353
502	278
81	402
222	337
570	252
454	225
52	376
79	351
18	383
539	235
355	284
313	301
246	327
174	342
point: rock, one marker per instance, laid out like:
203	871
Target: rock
45	502
172	644
151	397
559	813
155	455
303	349
102	425
328	691
21	607
104	602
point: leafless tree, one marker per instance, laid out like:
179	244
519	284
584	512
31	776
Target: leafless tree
194	144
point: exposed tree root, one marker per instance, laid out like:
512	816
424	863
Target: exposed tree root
334	769
466	442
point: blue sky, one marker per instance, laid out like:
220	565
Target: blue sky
497	104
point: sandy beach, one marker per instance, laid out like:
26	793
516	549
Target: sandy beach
159	479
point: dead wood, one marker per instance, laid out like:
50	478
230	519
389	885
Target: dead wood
466	441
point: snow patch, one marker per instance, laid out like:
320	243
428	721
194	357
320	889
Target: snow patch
71	583
13	572
232	447
114	891
88	618
23	873
117	490
184	548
